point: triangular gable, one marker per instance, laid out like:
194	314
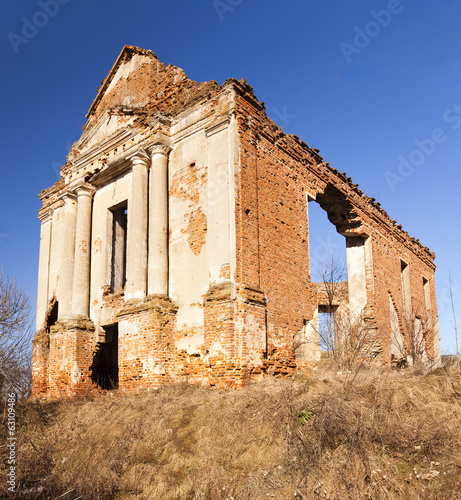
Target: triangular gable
106	125
128	53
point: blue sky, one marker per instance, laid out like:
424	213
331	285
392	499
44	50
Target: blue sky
375	85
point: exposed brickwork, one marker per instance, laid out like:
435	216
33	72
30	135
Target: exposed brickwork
239	309
196	229
186	185
154	87
276	174
146	356
71	351
41	356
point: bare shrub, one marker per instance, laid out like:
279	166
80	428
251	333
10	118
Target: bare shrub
347	337
15	338
409	344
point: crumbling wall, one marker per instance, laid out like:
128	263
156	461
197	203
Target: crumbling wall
276	176
239	300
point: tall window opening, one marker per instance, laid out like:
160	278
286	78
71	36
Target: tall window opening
327	253
356	273
419	347
406	290
398	351
427	303
327	328
118	231
104	370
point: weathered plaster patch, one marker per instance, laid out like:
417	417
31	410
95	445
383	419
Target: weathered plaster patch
75	373
187	182
186	185
196	230
190	344
98	244
216	349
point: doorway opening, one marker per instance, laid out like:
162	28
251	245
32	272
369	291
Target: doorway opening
104	370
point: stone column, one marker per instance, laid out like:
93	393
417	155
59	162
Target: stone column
66	268
136	262
81	283
43	267
158	221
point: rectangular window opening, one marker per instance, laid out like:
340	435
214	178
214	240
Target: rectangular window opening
427	303
327	329
406	290
398	350
327	253
118	248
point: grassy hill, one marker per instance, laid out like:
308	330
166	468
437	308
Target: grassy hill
372	434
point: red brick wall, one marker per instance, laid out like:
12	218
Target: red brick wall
72	346
40	356
146	347
275	175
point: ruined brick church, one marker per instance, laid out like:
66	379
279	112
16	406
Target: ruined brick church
175	245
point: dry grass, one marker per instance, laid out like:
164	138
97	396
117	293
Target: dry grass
372	434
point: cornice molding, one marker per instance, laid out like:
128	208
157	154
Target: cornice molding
103	148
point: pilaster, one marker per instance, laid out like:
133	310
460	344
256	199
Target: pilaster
136	266
81	281
43	267
66	268
158	221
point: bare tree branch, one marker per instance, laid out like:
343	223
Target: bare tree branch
15	336
347	339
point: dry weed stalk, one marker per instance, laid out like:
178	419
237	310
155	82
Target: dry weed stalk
408	343
347	337
455	326
367	434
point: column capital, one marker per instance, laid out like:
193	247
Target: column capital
68	196
159	148
45	215
82	188
140	158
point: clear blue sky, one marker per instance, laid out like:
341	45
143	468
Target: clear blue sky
360	84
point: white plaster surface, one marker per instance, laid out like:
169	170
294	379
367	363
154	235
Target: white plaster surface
356	275
106	197
43	271
191	343
66	258
307	341
56	252
190	274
